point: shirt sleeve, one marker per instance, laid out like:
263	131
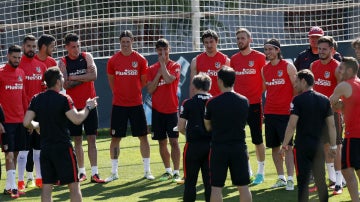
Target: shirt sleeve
294	107
69	104
329	111
184	111
143	66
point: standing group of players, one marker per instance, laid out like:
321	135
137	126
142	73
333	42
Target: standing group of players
281	81
212	74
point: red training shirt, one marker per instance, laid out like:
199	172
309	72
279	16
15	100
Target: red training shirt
49	61
352	110
324	76
12	91
211	66
248	74
279	89
34	71
164	98
127	72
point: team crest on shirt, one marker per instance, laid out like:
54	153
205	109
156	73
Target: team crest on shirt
20	79
251	63
37	69
327	74
280	73
217	65
134	64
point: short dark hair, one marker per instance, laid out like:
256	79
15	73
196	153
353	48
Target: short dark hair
29	37
326	39
14	49
210	33
162	43
355	43
45	39
352	63
70	37
127	33
51	76
202	81
307	75
227	75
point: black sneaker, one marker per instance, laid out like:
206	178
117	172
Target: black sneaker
337	190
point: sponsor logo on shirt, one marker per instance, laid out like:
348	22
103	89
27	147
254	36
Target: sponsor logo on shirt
211	72
16	86
246	71
161	82
203	97
78	72
275	82
34	77
127	72
322	82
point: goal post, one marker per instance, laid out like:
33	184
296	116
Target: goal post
99	23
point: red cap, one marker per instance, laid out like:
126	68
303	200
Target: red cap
316	31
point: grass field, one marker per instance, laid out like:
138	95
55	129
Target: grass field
132	187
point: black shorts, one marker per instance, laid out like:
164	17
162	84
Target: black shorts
58	162
90	125
350	157
163	125
254	121
120	117
275	126
229	156
338	118
34	141
16	138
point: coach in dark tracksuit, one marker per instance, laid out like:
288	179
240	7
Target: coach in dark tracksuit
197	147
310	113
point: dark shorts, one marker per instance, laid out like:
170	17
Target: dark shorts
163	125
350	157
34	141
338	118
275	126
90	125
229	156
16	138
120	117
58	163
255	123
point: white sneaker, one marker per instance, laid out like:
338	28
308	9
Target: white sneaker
113	176
279	183
289	185
149	176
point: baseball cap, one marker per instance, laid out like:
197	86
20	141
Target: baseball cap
316	31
